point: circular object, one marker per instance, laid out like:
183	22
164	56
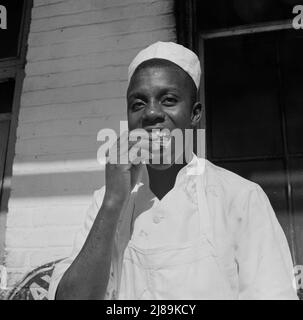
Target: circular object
156	219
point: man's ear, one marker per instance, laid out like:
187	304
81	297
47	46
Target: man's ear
196	114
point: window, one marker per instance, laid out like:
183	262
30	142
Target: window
6	98
11	36
217	14
12	61
252	60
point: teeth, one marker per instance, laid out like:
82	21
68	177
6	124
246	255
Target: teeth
161	138
165	142
155	133
161	134
164	134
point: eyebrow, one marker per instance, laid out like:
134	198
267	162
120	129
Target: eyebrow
141	94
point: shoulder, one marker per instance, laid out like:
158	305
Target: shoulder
233	189
227	179
240	199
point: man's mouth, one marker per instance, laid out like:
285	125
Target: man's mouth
161	138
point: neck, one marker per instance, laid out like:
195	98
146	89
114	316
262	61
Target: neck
162	181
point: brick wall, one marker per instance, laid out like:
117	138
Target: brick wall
75	85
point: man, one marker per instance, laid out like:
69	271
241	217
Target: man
174	230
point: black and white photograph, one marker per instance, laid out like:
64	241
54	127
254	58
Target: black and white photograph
151	150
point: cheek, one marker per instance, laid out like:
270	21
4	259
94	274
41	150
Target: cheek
134	121
181	116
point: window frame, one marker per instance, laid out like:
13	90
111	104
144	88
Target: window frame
246	30
189	35
13	68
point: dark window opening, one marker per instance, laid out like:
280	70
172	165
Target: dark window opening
254	115
12	62
6	103
10	37
6	95
218	14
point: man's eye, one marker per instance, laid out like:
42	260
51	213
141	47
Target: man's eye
137	105
169	101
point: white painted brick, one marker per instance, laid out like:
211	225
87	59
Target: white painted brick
52	201
54	128
56	145
24	238
59	216
75	78
56	237
72	7
82	62
106	29
40	257
73	110
60	8
105	15
56	183
35	167
22	219
45	159
90	44
38	3
40	237
65	144
83	93
17	258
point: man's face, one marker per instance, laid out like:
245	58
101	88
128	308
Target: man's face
160	97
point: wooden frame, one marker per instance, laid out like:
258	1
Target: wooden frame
246	30
18	61
188	35
230	32
13	68
186	23
5	116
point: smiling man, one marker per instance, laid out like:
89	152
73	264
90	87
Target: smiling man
181	230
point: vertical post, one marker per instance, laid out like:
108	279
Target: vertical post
186	20
16	71
188	35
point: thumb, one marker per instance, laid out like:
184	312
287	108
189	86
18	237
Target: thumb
135	174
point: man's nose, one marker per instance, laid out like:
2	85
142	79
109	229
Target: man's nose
153	113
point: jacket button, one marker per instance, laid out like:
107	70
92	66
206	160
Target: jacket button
156	219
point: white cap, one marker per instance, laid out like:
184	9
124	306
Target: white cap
176	53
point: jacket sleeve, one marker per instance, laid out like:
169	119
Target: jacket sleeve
79	241
264	261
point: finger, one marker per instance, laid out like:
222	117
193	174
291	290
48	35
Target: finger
139	155
138	135
117	150
122	139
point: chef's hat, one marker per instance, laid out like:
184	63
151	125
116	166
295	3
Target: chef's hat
176	53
